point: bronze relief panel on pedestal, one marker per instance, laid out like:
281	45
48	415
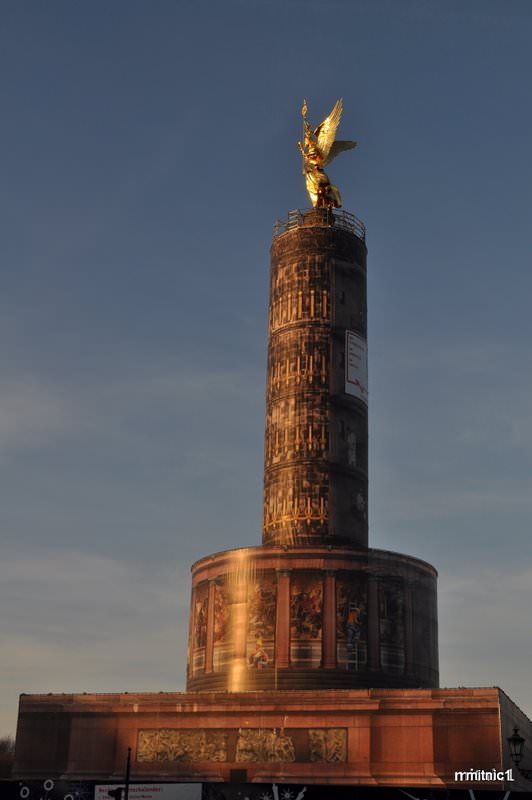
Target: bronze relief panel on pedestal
264	744
169	745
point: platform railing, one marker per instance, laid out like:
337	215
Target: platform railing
320	217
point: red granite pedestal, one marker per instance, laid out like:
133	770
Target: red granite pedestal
385	737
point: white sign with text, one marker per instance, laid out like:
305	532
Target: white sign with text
151	791
356	366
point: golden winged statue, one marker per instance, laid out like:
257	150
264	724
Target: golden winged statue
318	149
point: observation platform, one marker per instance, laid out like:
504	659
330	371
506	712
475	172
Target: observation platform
320	217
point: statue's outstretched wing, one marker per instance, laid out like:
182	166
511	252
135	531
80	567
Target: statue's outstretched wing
338	147
326	130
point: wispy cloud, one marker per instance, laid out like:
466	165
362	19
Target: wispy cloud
421	500
452	429
32	412
138	401
484	627
79	622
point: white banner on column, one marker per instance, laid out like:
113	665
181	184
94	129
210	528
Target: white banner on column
356	366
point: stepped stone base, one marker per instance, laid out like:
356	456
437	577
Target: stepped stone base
386	737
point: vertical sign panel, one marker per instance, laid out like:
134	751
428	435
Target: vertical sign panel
356	366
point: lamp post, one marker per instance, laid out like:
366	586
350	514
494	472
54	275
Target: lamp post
122	792
516	743
128	772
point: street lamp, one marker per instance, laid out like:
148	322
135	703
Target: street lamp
122	792
516	743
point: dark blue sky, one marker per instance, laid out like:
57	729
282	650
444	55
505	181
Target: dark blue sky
147	149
